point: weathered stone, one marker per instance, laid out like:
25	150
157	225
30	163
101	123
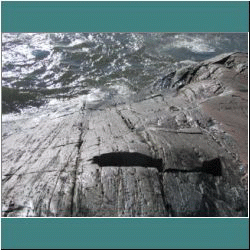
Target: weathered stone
166	154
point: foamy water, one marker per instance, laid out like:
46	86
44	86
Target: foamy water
101	65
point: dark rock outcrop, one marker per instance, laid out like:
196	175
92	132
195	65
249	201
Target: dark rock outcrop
181	153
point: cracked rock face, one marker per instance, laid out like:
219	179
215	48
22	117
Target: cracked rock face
171	154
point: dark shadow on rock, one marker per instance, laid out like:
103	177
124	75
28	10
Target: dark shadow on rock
126	159
213	167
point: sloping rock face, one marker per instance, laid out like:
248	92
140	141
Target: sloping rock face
180	152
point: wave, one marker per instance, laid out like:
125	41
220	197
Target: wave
107	61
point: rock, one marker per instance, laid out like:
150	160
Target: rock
164	155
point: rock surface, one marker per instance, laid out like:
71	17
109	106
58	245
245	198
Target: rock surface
181	151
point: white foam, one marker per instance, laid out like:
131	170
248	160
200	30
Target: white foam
54	86
121	89
41	41
95	94
195	44
76	42
90	37
85	49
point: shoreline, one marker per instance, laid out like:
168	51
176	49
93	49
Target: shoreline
46	167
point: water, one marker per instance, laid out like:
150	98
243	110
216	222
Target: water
39	69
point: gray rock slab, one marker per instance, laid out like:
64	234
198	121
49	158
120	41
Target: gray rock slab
167	155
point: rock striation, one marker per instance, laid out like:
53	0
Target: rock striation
179	150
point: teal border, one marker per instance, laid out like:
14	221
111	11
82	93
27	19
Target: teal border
115	233
124	233
125	16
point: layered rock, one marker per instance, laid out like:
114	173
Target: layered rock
180	151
